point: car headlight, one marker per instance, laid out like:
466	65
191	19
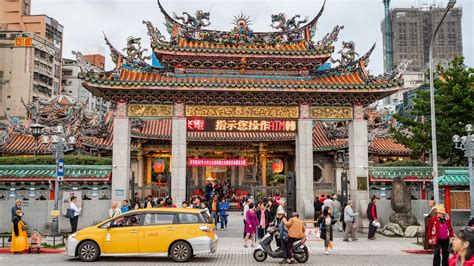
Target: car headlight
72	236
205	228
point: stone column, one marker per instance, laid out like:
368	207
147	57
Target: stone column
195	175
178	154
304	164
140	175
148	170
263	163
241	175
232	176
359	163
121	154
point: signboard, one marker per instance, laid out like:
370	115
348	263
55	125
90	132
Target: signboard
55	213
23	42
240	125
213	162
60	170
312	233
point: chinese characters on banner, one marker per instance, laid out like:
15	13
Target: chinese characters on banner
23	42
241	125
212	162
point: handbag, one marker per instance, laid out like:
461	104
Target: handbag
24	227
69	213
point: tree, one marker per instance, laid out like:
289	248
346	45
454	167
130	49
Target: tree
454	99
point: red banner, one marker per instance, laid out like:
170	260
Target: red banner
214	162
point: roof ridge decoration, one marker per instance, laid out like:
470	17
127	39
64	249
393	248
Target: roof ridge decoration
154	33
191	29
84	65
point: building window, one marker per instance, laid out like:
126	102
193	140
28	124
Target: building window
317	173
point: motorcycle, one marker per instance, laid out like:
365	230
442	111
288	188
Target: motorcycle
264	249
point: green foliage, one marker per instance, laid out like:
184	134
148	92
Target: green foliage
404	163
454	102
278	179
49	160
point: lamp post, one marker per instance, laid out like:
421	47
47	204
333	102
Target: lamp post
59	146
36	131
466	144
434	151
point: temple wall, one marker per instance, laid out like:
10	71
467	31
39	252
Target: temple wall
37	215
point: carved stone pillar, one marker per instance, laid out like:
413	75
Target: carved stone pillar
121	154
178	154
304	164
359	162
140	175
232	176
263	164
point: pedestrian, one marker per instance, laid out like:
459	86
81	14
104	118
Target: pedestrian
263	219
282	234
19	234
223	207
185	204
463	247
136	205
431	214
15	208
197	203
318	207
372	216
440	233
336	211
349	219
114	211
251	225
296	231
77	212
125	207
169	203
471	223
149	202
244	213
272	209
327	202
325	223
205	207
214	210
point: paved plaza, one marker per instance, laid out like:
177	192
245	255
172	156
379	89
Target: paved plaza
383	251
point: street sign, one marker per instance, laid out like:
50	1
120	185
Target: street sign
60	170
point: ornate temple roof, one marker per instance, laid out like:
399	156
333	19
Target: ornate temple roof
389	146
455	178
449	175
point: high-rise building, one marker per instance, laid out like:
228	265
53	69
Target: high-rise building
412	29
26	70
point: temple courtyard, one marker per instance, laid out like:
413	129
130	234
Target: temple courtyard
383	251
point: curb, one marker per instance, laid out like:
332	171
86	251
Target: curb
42	251
419	251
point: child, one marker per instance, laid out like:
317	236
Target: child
35	242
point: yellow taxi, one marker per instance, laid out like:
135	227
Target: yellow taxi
169	232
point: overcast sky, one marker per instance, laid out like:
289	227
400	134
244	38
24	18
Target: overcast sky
84	20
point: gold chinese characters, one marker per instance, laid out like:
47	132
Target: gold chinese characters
337	113
242	111
150	110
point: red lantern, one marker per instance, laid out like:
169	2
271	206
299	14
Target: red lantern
159	166
277	166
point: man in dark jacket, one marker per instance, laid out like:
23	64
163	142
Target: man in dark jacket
372	216
317	208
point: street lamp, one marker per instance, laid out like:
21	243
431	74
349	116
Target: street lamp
434	151
36	130
59	146
466	144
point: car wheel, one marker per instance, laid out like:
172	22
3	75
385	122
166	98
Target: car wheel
259	255
181	251
88	251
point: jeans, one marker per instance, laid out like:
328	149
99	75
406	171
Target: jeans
261	232
74	223
215	217
283	244
441	246
223	218
372	229
349	230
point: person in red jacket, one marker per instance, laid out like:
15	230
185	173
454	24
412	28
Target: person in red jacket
440	232
463	246
372	216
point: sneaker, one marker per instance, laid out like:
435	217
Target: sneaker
345	240
355	239
283	262
326	252
245	246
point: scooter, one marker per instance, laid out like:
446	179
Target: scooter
264	249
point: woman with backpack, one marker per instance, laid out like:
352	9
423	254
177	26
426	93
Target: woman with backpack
326	222
74	214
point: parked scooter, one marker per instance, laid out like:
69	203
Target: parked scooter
264	249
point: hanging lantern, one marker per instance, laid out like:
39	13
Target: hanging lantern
159	166
277	166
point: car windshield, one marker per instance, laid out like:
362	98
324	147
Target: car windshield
206	217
